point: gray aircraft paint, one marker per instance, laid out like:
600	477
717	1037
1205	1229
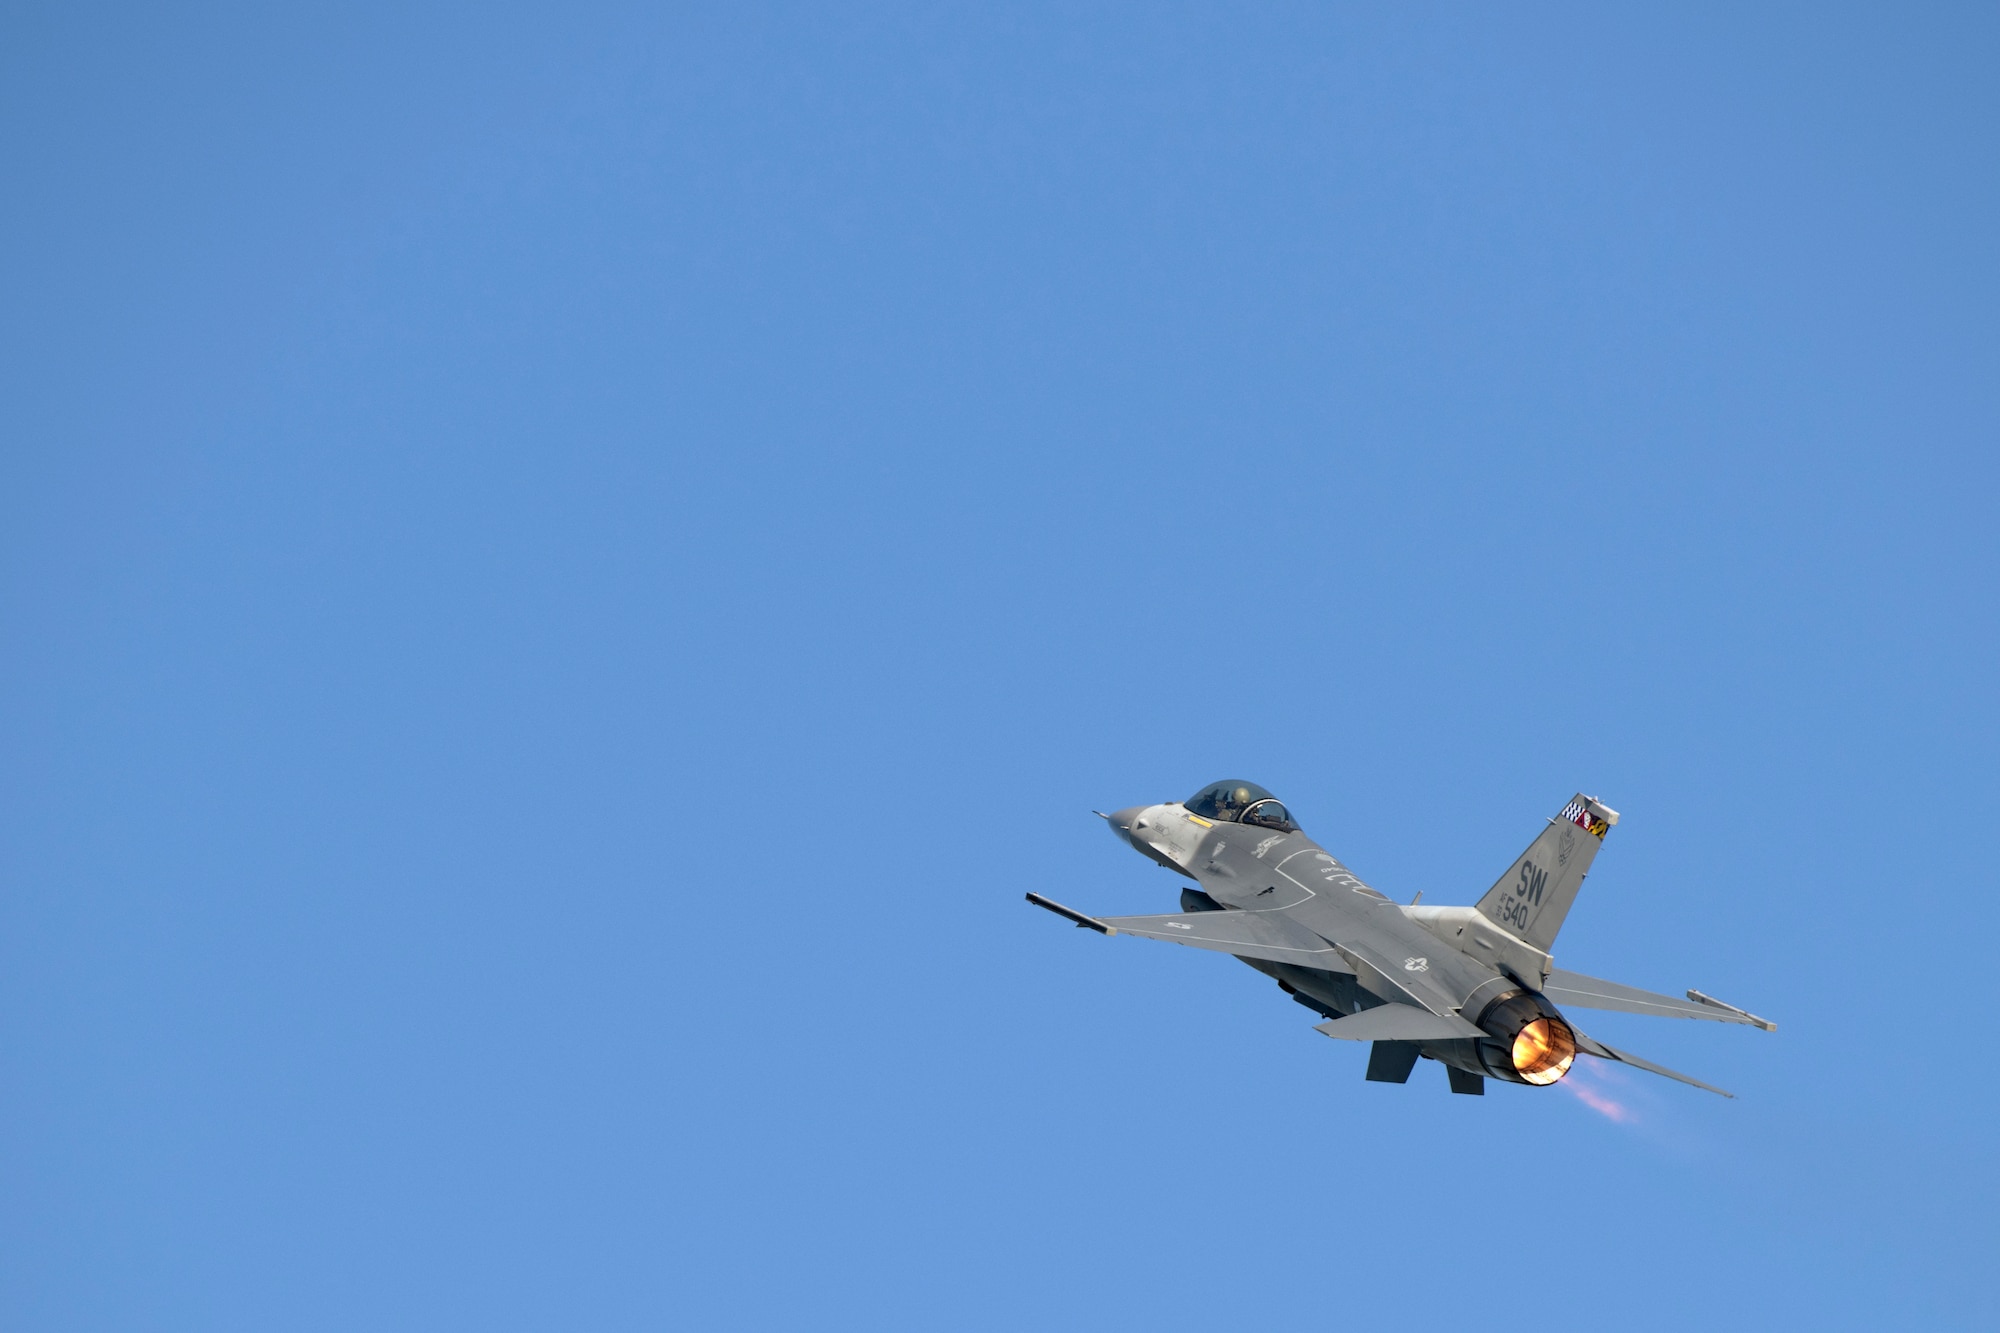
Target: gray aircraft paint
1412	981
1533	898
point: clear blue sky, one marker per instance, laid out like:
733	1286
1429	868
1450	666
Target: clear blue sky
562	571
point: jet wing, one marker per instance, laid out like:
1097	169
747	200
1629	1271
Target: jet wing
1263	935
1575	989
1591	1046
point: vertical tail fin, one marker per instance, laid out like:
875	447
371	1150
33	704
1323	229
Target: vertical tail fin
1534	896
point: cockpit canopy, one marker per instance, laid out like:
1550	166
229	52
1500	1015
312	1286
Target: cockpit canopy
1240	802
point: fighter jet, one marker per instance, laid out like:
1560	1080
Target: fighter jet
1473	988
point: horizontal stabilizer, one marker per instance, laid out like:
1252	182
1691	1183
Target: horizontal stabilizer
1263	935
1576	990
1591	1046
1398	1022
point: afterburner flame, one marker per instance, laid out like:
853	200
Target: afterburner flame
1544	1050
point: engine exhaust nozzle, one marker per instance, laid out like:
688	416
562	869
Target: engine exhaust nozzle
1544	1050
1529	1041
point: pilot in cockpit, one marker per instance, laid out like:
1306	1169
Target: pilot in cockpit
1235	801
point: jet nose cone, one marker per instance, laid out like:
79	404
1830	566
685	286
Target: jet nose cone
1123	821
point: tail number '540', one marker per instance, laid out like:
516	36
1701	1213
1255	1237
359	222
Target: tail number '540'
1527	893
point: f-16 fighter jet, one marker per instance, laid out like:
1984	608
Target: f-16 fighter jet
1473	987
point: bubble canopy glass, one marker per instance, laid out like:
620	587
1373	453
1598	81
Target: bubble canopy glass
1236	801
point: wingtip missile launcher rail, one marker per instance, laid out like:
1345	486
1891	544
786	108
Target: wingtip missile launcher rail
1743	1014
